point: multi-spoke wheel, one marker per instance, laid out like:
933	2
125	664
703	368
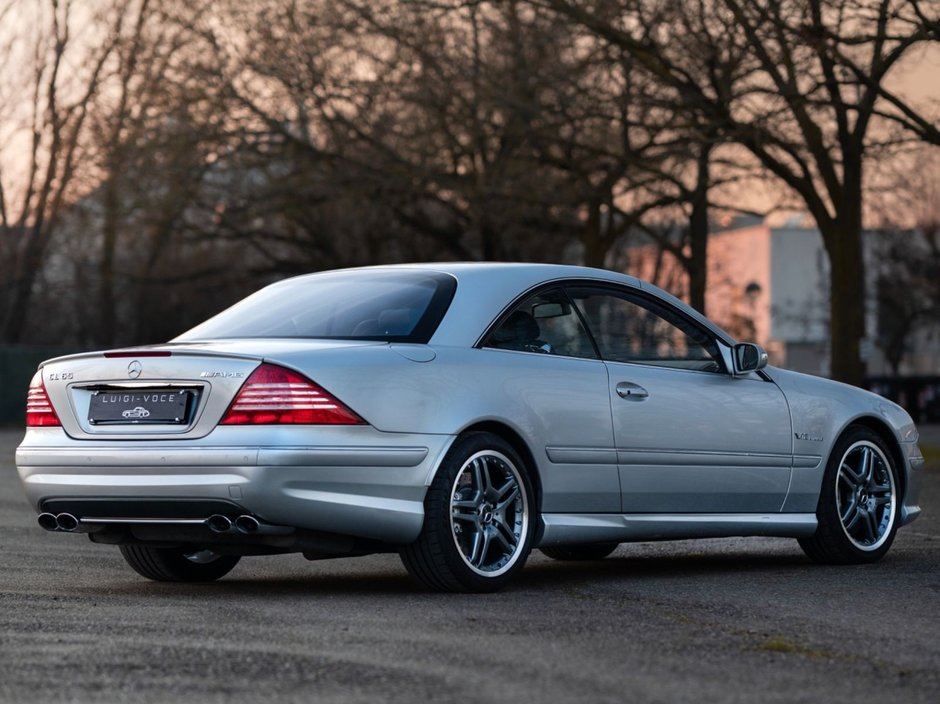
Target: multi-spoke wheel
178	565
858	503
479	518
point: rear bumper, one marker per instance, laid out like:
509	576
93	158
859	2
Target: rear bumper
354	481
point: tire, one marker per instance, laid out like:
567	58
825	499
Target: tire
858	504
177	565
479	519
570	553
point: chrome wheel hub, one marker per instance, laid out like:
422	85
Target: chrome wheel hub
866	496
489	513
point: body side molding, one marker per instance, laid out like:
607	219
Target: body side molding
561	529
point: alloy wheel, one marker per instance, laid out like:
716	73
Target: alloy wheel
489	513
866	495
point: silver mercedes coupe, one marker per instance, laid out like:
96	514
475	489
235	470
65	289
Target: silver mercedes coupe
460	415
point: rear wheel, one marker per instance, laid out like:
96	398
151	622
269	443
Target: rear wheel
597	551
178	565
858	503
479	519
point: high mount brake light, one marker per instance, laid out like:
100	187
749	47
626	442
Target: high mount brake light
138	353
273	395
39	410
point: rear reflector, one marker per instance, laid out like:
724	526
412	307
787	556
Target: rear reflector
39	410
274	395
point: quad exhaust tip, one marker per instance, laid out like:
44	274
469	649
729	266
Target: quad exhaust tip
64	522
247	524
219	524
223	524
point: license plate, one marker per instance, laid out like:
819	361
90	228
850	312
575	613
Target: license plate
140	406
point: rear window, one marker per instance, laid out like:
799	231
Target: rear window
392	306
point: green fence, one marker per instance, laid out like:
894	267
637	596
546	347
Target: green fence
17	366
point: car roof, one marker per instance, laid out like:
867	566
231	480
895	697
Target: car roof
459	269
485	289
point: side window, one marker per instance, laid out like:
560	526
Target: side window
635	330
544	323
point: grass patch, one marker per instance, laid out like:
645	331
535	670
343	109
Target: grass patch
779	644
931	454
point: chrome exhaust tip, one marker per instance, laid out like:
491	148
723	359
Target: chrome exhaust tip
247	524
218	523
48	521
67	522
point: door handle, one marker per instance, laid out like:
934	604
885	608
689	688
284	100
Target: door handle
631	391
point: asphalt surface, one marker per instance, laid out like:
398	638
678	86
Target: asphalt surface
741	620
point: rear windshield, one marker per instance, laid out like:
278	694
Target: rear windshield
393	306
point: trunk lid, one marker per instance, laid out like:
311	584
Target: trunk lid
160	392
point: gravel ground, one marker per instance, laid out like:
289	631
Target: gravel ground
737	620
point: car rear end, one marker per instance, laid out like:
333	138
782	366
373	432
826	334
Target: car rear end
202	445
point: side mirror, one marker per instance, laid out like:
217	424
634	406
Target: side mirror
748	357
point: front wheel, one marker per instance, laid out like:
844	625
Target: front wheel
178	565
858	503
479	519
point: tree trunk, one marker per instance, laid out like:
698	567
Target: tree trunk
846	301
697	263
491	249
25	270
595	247
15	318
106	299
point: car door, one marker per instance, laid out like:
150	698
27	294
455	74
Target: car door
690	437
540	353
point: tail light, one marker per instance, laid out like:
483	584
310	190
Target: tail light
274	395
39	410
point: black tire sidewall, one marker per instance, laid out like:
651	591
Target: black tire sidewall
172	565
437	510
830	523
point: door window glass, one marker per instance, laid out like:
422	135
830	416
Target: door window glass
640	331
544	323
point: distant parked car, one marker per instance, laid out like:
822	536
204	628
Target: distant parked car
459	414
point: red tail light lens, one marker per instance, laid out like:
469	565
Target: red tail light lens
274	395
39	410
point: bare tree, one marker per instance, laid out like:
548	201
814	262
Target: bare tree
809	101
55	128
907	255
603	132
483	127
132	226
155	131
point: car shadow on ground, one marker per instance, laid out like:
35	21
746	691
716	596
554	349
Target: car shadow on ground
733	568
540	575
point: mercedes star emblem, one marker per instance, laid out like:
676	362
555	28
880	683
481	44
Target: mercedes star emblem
134	369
